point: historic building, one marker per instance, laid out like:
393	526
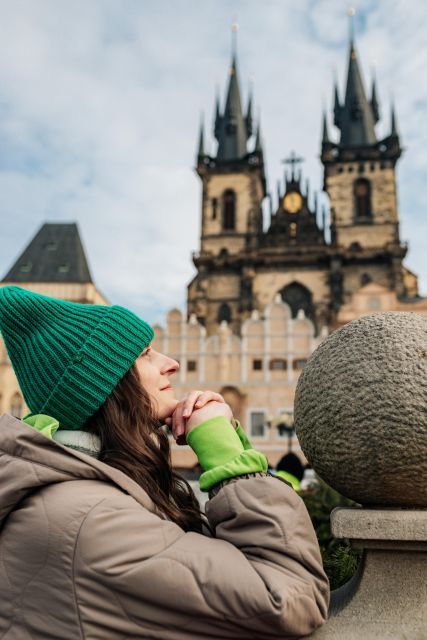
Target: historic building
53	264
241	268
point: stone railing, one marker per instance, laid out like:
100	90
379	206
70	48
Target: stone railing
361	418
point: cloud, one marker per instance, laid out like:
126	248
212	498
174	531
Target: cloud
100	104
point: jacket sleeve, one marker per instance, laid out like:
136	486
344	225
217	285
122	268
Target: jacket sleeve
261	576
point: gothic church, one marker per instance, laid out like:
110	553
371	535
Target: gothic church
242	268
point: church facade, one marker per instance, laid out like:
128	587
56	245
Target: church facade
241	267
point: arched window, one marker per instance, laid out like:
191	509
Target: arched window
362	198
224	313
229	210
16	405
298	297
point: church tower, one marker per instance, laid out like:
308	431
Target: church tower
233	188
359	178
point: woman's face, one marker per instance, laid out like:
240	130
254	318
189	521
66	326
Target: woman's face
154	371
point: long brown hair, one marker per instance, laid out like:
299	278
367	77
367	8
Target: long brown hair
133	441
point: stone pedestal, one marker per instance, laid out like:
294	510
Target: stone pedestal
387	598
361	419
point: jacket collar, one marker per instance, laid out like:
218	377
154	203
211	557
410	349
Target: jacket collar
87	443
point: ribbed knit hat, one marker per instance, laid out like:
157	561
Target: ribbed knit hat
67	356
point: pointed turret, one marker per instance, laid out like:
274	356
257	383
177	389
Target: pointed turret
307	191
324	224
258	140
279	193
356	119
217	124
325	132
248	119
201	148
394	131
374	102
337	107
328	146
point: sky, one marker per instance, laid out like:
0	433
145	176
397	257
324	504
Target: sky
100	104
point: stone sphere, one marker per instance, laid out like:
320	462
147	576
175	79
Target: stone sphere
361	410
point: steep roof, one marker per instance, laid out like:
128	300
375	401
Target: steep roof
55	254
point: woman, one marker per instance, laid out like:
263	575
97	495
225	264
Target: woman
100	538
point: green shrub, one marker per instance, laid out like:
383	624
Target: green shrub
339	559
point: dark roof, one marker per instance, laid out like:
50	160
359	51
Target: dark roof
356	117
55	254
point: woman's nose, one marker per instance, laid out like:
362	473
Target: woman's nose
170	365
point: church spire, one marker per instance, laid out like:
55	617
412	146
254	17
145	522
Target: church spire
231	128
355	118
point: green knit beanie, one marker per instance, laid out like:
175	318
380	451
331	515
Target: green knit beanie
67	356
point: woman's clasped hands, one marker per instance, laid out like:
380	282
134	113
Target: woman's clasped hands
194	408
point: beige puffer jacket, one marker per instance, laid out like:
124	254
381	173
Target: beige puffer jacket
85	555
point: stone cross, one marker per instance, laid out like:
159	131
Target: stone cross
293	160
